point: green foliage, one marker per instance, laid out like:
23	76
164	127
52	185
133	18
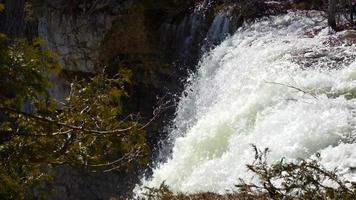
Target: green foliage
304	180
87	131
24	70
164	193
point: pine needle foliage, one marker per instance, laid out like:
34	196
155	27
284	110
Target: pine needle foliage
303	179
87	131
299	180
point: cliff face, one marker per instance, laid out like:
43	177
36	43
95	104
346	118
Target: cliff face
15	20
158	43
77	35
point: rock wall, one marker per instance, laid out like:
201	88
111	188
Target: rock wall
16	21
77	37
75	185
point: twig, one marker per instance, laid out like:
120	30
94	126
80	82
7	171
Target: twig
76	128
293	87
127	158
156	112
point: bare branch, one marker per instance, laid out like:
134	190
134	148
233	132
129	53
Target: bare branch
62	124
163	104
293	87
111	166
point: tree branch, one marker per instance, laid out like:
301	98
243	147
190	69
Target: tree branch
293	87
162	105
62	124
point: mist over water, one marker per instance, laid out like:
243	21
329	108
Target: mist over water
283	83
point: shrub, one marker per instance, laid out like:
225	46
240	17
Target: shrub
302	180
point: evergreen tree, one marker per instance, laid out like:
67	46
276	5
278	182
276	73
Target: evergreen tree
37	133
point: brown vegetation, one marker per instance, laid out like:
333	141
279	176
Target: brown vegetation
302	180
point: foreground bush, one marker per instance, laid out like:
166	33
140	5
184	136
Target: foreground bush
163	193
303	180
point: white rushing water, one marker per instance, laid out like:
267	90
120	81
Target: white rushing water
284	83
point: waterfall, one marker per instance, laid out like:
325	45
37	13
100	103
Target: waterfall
199	30
284	83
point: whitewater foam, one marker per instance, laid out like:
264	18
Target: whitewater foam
284	83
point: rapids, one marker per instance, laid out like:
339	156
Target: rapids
286	83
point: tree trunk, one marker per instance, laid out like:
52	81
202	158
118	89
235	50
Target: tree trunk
332	14
351	12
